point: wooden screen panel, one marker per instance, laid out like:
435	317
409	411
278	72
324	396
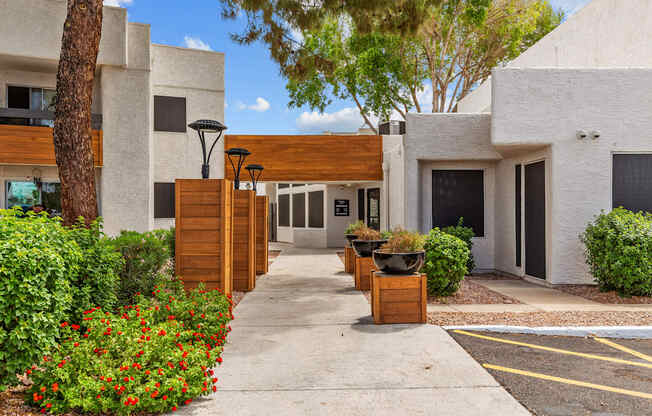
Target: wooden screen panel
304	158
262	234
399	299
34	145
244	240
204	243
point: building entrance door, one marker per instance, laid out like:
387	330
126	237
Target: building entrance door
373	208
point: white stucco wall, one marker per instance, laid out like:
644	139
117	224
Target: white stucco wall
33	28
615	102
605	33
337	225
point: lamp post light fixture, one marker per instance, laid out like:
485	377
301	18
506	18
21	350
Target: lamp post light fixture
241	154
202	127
255	171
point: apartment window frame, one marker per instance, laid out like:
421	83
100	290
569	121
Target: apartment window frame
166	118
614	182
319	224
477	201
167	211
284	201
299	210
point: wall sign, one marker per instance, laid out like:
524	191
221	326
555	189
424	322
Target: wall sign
341	207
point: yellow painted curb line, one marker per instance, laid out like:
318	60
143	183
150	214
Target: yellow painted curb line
569	381
557	350
624	349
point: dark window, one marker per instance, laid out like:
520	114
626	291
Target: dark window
299	210
18	97
284	210
316	209
170	114
283	185
373	208
361	204
458	194
164	200
632	182
517	218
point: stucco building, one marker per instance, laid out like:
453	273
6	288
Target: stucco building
144	96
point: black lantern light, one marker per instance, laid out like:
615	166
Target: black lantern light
202	127
255	171
241	154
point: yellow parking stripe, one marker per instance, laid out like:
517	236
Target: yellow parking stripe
557	350
569	381
624	349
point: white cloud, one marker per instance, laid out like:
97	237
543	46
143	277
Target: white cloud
196	43
346	119
118	3
261	105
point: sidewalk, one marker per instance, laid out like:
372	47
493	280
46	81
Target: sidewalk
303	344
536	298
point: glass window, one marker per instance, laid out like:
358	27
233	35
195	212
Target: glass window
316	209
632	182
284	210
164	202
27	194
458	194
299	210
283	185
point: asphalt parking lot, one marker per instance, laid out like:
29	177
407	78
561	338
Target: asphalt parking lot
555	376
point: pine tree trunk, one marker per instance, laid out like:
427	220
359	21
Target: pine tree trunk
72	124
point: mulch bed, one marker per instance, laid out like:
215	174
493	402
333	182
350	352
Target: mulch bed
471	293
535	319
593	293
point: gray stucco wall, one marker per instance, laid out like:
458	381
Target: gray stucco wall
605	33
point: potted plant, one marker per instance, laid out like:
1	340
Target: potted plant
402	254
368	240
352	229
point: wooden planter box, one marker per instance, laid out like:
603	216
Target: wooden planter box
262	234
204	243
244	240
363	268
399	299
349	260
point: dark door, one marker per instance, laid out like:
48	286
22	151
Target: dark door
535	220
361	205
373	208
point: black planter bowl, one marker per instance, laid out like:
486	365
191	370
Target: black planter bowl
399	263
350	238
365	248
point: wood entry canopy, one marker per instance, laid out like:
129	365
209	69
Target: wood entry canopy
311	158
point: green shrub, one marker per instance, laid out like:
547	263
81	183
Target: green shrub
445	263
37	258
619	251
353	227
154	356
98	280
145	257
465	234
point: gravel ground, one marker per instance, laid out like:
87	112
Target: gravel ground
593	293
471	293
535	319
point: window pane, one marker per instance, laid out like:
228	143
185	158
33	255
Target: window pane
164	200
458	194
48	100
361	204
632	182
299	210
284	210
23	194
316	209
51	197
170	114
18	97
283	185
36	102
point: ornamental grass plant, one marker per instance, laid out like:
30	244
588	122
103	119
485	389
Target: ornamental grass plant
402	241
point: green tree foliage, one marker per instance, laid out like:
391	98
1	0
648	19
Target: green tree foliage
619	251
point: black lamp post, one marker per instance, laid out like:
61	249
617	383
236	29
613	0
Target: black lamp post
255	171
241	154
202	127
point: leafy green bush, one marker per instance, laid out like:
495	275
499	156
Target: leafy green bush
145	257
37	258
152	357
445	264
619	251
465	234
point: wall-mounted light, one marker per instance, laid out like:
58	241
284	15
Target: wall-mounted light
595	135
581	134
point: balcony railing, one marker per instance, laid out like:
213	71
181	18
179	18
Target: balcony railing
25	140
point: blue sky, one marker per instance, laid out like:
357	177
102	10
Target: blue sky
255	92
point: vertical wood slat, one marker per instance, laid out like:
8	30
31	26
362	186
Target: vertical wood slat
399	299
204	236
244	240
349	260
262	234
363	268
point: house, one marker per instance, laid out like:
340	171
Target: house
144	97
561	133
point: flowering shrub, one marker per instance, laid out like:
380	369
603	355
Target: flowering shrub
153	356
145	256
445	262
619	251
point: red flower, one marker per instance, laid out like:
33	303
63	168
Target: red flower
164	397
49	405
214	388
55	387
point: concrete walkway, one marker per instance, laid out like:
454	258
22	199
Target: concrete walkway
303	344
536	298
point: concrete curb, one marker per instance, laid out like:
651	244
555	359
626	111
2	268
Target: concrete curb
632	332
